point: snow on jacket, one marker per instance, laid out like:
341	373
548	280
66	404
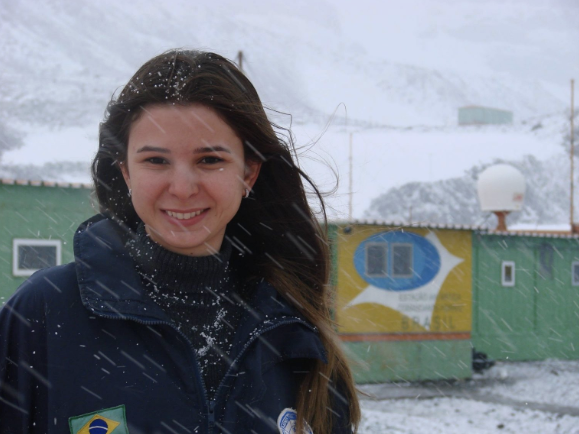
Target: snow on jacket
84	350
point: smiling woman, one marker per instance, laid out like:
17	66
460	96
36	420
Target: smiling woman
199	297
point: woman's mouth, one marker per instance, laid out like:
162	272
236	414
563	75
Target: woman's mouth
184	215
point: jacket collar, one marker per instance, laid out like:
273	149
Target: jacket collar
111	287
108	282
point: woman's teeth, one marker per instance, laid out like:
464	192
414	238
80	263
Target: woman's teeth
184	216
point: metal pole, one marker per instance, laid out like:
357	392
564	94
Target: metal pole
572	150
240	59
351	193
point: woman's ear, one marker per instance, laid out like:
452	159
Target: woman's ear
125	172
252	168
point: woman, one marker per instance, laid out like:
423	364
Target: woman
198	300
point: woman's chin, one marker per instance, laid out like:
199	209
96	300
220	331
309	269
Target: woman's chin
186	244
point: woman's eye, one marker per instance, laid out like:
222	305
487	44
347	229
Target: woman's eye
211	160
156	160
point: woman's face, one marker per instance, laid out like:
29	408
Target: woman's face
187	173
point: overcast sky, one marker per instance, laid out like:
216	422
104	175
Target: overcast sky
488	36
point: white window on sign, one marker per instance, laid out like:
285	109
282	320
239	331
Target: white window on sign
402	260
508	273
376	259
30	255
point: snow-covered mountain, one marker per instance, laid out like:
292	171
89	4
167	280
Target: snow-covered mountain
62	61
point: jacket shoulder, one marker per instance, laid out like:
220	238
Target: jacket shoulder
43	289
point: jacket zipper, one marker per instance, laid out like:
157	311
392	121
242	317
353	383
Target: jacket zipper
211	416
211	403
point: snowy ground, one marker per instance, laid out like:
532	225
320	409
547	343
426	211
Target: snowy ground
517	397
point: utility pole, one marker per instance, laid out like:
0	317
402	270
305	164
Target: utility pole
572	150
240	59
351	193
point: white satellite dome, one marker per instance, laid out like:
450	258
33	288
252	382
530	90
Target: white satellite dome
501	188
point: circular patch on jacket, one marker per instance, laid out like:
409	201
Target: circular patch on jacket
98	426
286	422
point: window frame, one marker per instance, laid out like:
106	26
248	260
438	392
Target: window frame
17	242
504	265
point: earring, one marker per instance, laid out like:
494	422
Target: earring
130	192
246	193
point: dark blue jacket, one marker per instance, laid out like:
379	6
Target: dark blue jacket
83	337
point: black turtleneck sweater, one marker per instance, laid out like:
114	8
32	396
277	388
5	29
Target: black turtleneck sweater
201	296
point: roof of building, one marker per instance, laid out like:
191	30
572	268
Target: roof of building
478	229
39	183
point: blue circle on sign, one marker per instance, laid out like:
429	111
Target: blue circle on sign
98	426
397	261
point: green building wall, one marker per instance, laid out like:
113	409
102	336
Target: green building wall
392	361
475	115
40	211
538	317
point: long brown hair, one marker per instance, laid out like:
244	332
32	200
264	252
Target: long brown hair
287	245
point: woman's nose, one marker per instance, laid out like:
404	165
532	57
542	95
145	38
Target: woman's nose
184	182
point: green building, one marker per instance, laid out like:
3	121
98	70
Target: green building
477	115
38	221
526	296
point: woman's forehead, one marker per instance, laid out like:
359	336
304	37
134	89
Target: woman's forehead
195	124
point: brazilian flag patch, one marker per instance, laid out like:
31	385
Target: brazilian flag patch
107	421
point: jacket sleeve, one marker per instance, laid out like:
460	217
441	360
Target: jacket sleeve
24	382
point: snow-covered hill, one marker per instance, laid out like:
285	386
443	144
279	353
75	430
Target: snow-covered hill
61	61
455	201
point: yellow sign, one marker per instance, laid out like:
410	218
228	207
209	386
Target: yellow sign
400	280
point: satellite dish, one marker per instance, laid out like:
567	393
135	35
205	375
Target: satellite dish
501	189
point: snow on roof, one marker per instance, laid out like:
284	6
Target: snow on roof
539	231
39	183
426	225
535	234
559	227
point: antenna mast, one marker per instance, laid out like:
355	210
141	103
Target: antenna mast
351	193
572	149
240	59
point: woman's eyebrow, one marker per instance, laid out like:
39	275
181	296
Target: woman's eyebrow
211	149
202	150
153	149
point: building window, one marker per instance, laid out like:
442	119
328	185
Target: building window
575	273
546	254
508	273
30	255
376	259
402	260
